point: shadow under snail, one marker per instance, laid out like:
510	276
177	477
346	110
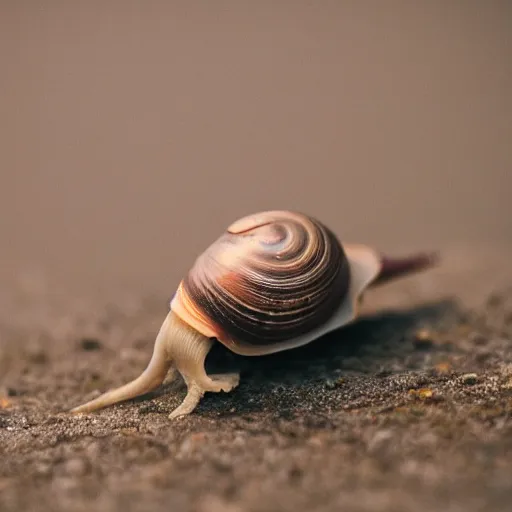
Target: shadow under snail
273	281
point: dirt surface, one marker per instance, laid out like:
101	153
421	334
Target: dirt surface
132	134
408	409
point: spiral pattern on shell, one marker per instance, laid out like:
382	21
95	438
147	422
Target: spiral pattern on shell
270	277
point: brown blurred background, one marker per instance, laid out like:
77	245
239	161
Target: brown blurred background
132	133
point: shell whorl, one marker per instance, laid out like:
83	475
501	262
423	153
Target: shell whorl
270	277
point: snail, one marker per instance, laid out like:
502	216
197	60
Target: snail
273	281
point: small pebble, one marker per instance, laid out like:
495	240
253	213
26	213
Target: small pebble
422	393
470	379
14	392
508	384
443	368
333	383
90	344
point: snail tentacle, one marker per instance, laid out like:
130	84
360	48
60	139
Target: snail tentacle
150	379
393	268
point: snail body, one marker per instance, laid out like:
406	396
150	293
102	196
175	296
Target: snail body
273	281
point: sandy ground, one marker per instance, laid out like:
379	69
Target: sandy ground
409	409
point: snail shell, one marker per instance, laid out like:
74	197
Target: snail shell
273	281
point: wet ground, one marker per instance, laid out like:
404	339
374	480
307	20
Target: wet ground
408	409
